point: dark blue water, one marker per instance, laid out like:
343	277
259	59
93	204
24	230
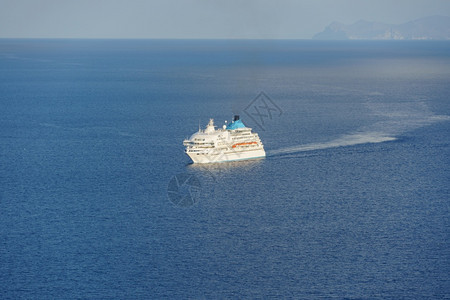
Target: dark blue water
352	200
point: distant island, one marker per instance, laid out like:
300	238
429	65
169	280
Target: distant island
429	28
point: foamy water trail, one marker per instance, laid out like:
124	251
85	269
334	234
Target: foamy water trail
343	141
399	119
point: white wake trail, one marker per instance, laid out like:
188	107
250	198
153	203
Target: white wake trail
343	141
398	119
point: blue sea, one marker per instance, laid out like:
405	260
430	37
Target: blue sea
99	201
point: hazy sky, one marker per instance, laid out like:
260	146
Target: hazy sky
199	18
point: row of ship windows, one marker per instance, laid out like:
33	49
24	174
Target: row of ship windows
234	139
202	147
241	146
240	137
249	146
209	144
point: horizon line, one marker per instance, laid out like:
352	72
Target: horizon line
216	39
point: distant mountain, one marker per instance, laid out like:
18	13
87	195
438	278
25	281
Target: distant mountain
429	28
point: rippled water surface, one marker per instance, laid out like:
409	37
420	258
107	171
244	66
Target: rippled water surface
352	200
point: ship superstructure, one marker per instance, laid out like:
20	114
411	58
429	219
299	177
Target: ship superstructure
234	141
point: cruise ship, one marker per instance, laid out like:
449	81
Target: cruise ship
234	141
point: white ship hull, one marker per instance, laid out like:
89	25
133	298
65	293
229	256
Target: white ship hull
233	142
217	157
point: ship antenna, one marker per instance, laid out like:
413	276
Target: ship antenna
198	125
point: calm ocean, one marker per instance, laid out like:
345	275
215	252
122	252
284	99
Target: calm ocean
352	200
